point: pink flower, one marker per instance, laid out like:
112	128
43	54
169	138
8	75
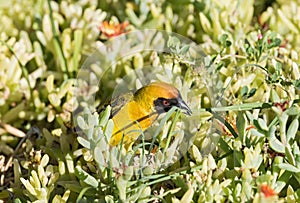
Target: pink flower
259	36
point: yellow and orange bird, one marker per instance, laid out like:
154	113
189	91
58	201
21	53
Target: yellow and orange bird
134	113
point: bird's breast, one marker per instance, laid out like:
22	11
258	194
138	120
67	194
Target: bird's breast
130	122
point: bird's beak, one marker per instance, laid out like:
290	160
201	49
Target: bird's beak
182	105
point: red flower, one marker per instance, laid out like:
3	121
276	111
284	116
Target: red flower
282	105
112	29
267	190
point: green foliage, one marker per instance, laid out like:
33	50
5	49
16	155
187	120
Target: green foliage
55	147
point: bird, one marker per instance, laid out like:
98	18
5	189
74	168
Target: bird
132	113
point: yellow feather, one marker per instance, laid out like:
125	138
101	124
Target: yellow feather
130	122
135	116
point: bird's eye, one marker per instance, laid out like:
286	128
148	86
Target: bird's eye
166	102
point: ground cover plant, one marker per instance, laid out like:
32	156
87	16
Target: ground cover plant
235	62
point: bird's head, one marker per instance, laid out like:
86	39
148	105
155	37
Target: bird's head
161	97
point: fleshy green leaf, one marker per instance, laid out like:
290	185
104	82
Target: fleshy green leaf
85	177
240	124
85	143
289	167
292	130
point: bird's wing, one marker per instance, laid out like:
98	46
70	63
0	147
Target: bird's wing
118	102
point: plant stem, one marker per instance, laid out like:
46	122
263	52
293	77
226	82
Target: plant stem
58	46
170	133
23	68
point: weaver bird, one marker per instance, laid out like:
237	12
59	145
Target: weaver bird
132	113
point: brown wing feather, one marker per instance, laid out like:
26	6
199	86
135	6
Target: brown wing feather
116	103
